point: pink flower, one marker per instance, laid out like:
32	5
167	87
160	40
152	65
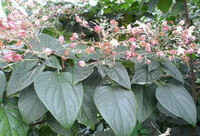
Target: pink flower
78	19
133	45
153	42
148	61
73	45
12	57
61	39
165	28
113	22
48	51
190	51
82	63
173	52
22	33
97	29
12	25
143	37
160	54
132	39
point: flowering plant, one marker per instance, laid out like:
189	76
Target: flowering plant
72	84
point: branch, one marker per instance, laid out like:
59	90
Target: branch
37	123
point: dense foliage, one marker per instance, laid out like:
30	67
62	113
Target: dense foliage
124	68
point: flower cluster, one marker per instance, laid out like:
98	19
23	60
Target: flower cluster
163	40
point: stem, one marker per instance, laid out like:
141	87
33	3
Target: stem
193	76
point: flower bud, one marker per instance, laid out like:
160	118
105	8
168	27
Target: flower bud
48	51
82	63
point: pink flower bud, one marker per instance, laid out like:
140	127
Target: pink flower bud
61	39
153	42
173	52
73	45
75	35
164	23
85	23
48	51
133	45
97	29
78	19
82	63
192	38
165	28
148	61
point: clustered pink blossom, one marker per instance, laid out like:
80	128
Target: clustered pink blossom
12	57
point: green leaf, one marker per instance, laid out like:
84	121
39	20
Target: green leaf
88	112
177	8
165	111
60	96
119	74
177	100
2	84
142	76
46	131
11	123
104	133
152	5
81	73
153	65
173	71
146	102
94	80
164	5
198	3
30	106
56	126
53	62
46	41
33	132
23	76
118	107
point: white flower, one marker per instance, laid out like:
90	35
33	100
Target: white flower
114	43
180	50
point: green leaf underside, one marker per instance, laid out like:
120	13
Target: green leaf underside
60	96
30	106
118	107
11	123
177	100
